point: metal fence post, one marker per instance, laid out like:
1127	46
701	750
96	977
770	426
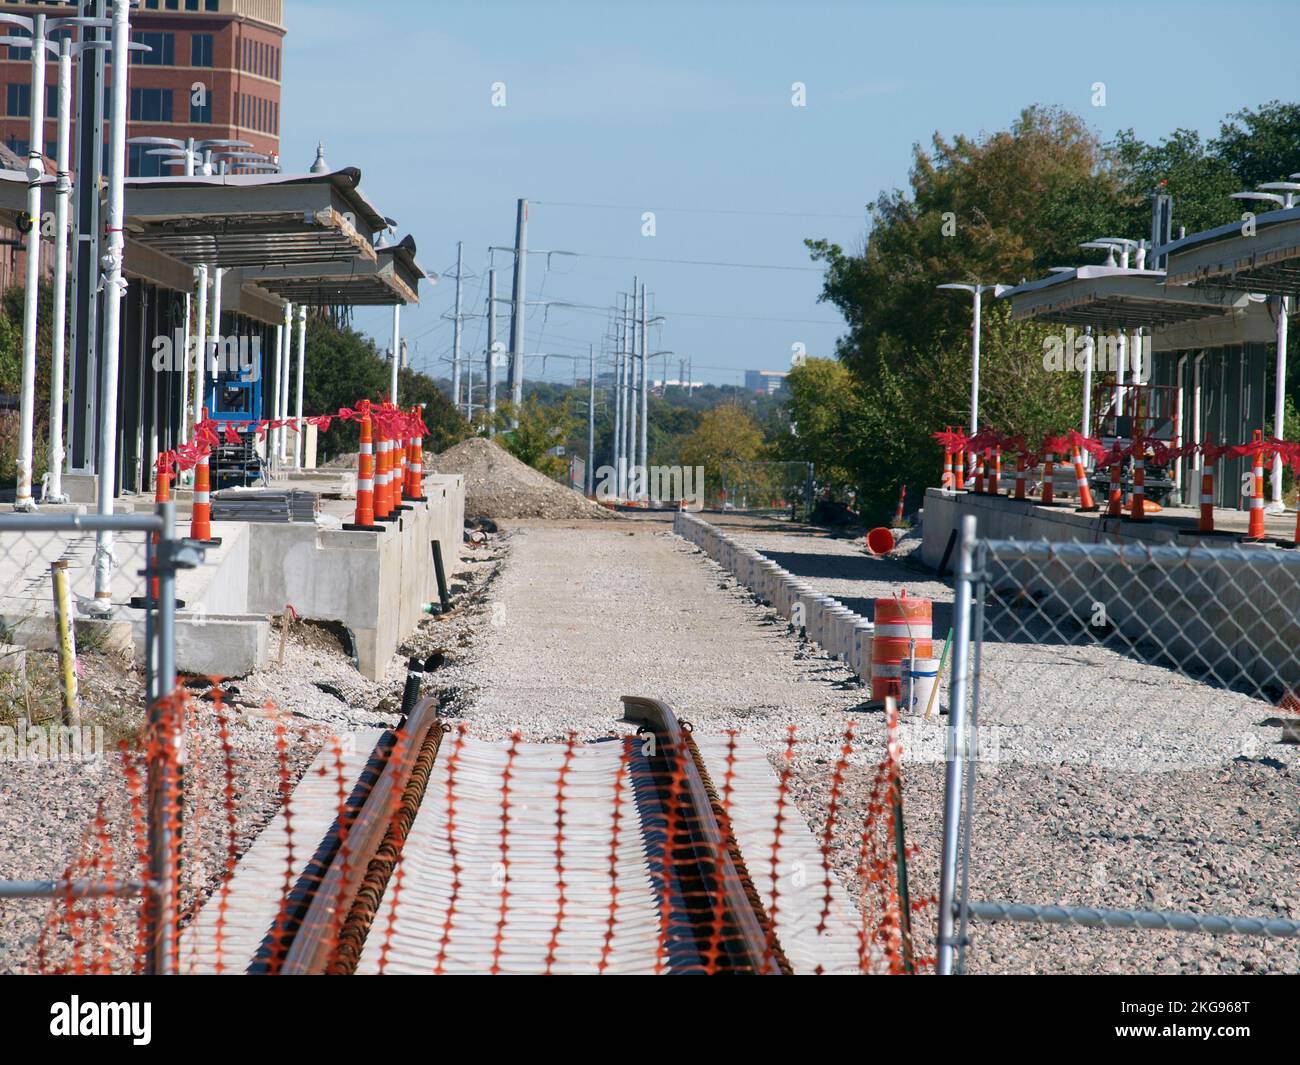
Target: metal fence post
952	792
164	758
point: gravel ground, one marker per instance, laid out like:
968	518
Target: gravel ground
47	808
1116	783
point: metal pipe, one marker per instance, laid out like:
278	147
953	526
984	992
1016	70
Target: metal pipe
166	724
283	370
214	328
297	410
280	355
23	500
114	289
952	795
1276	506
1178	428
200	346
975	365
1089	358
1196	408
633	485
62	192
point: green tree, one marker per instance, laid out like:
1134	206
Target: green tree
726	443
542	427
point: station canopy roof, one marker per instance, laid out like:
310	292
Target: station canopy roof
1112	297
1268	261
392	278
238	220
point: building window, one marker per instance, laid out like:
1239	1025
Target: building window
191	5
15	52
172	5
201	50
51	101
18	102
162	49
140	163
201	112
17	146
151	105
210	5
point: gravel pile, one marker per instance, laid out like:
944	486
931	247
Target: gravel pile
498	485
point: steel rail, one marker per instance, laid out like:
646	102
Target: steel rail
713	849
316	943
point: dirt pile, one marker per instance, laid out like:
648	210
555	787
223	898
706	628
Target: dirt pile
498	485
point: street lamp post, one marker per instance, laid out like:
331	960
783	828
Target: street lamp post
1281	193
977	290
65	50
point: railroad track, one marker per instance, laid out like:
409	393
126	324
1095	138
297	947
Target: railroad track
614	856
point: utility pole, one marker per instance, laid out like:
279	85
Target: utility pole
591	419
492	353
645	401
620	467
517	310
634	489
455	333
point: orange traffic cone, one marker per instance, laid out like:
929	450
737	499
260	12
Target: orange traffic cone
1081	479
1255	529
959	469
1020	476
365	515
1049	463
162	494
401	442
949	479
997	470
1115	508
382	505
201	515
417	460
1138	500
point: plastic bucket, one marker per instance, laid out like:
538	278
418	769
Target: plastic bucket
920	675
880	541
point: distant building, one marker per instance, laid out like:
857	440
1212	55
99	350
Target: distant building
765	382
214	72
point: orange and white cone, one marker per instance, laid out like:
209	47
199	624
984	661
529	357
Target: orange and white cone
1115	509
1081	479
365	513
1049	464
1255	528
997	470
201	515
382	506
1021	474
1138	502
1206	524
959	468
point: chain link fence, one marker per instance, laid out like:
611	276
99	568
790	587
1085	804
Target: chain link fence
1151	688
87	671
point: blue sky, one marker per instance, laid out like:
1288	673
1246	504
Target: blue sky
685	109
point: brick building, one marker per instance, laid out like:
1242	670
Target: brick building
214	72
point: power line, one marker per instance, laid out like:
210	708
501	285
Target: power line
701	262
695	210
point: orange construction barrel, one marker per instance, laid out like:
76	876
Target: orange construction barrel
904	626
